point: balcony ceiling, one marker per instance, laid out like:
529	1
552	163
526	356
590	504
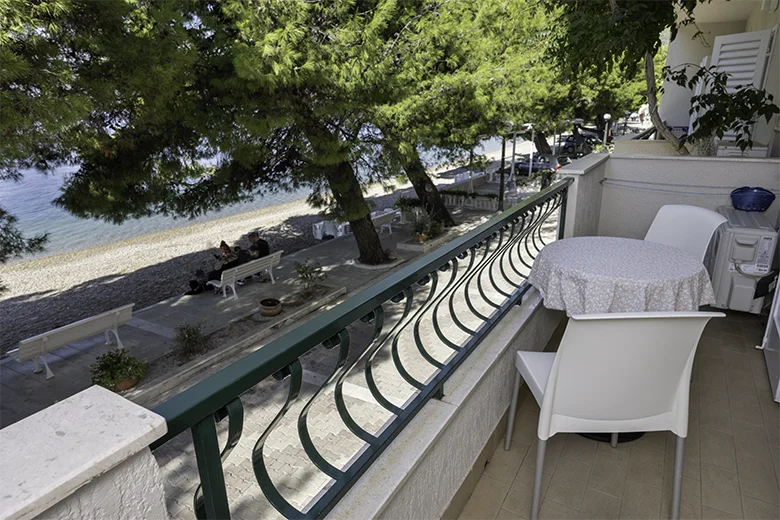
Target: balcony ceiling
725	10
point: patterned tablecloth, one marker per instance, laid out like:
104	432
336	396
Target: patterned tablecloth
592	275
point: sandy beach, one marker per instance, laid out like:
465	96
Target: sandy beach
52	291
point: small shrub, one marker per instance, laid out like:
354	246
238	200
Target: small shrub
407	203
190	340
421	223
114	366
456	193
310	275
435	228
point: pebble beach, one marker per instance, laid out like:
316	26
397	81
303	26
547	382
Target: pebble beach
52	291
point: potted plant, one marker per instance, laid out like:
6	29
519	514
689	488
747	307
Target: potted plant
117	370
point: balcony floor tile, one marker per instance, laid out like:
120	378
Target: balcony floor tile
731	443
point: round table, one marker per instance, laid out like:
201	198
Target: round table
595	275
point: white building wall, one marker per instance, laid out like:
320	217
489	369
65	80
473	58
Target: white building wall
583	202
676	101
767	133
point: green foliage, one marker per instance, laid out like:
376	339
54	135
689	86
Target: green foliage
425	228
190	340
407	204
720	110
114	366
455	193
597	35
310	275
601	35
13	244
421	224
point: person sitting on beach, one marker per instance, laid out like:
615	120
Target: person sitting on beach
259	247
225	260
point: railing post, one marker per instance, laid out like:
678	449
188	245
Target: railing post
204	437
562	216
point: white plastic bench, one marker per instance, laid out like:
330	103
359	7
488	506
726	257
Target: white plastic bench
384	221
38	346
327	227
234	274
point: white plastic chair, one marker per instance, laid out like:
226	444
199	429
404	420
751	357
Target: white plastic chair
689	228
317	230
614	373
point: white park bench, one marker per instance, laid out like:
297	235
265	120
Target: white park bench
383	221
38	346
234	274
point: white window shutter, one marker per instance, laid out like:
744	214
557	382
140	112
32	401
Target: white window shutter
745	58
697	91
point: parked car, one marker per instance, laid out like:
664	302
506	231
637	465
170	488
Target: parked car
541	162
589	140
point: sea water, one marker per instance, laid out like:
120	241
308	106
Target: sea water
30	200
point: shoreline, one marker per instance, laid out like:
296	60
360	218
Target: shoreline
51	291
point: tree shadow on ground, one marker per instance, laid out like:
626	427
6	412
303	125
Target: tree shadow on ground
29	314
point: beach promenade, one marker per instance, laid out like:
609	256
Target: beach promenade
149	336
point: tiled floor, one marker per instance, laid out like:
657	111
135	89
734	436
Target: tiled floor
731	466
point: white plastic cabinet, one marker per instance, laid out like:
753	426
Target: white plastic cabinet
771	346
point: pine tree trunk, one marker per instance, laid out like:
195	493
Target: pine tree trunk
423	185
349	198
426	191
652	104
542	146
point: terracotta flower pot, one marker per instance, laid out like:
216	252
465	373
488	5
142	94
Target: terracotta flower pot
126	384
270	307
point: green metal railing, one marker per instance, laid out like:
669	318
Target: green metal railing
460	291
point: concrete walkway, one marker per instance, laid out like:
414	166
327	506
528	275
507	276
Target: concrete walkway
149	335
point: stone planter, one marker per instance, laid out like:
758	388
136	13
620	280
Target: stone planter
270	307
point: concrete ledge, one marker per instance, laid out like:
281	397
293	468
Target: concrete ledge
420	473
430	245
48	456
584	165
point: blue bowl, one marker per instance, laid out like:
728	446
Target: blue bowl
752	199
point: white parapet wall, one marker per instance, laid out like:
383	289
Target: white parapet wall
583	201
86	457
634	187
420	473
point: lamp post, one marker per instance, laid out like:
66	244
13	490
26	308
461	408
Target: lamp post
607	117
508	128
529	126
514	148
